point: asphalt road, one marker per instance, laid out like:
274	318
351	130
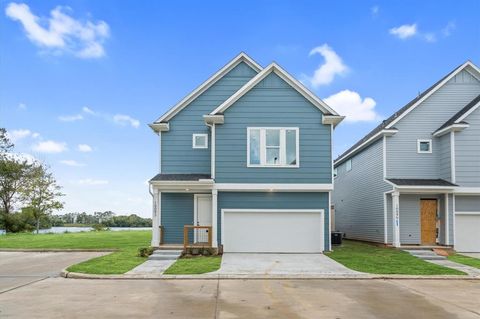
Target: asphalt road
30	288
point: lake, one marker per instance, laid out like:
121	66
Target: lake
59	230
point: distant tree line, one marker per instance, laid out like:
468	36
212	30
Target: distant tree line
107	219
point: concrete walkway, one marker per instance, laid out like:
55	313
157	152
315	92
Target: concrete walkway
473	255
151	267
471	271
281	264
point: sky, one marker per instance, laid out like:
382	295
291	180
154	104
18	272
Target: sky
80	80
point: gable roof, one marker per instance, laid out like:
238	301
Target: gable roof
242	57
462	114
397	116
273	67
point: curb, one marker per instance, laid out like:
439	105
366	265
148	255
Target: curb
50	250
76	275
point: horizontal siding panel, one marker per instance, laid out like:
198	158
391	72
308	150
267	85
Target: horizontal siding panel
177	211
467	152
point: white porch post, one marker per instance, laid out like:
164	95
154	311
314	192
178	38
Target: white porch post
214	218
396	218
446	221
156	218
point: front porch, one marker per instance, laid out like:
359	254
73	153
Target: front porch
421	214
184	213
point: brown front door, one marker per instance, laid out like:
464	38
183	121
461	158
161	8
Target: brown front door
428	219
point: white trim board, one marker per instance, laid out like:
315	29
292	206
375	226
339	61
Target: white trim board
273	67
231	187
242	57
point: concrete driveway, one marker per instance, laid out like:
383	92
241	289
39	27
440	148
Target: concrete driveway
22	268
281	264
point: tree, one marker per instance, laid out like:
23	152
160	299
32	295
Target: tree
42	193
13	179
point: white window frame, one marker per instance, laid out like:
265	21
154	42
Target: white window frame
283	147
349	165
194	144
422	141
335	172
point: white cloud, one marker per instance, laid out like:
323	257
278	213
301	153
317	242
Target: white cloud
62	33
430	37
332	67
126	120
89	181
22	106
70	118
351	105
50	147
84	148
72	163
405	31
88	110
16	135
449	28
35	135
375	10
23	157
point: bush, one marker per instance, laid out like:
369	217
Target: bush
145	251
99	227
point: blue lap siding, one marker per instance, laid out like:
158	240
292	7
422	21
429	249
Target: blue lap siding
177	211
273	200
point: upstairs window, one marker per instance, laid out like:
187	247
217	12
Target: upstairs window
335	172
272	147
200	141
424	146
349	165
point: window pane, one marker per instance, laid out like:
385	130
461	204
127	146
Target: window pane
291	141
200	141
273	155
254	146
273	137
425	146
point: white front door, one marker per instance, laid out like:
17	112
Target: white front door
203	216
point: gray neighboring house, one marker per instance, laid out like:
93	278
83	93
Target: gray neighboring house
245	162
415	179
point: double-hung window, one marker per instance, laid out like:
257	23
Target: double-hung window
273	147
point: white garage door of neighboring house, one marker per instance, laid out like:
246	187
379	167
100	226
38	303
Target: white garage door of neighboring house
467	232
273	230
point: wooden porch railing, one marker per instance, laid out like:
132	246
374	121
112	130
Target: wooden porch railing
202	236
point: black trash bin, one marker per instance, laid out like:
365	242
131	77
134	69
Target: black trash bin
336	238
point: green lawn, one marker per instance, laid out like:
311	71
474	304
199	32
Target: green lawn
379	260
194	265
469	261
119	262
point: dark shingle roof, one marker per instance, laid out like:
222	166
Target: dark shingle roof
419	182
389	120
180	177
454	118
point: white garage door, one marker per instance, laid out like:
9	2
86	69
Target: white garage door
467	232
272	231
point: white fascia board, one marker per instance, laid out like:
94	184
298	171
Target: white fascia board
332	119
467	190
451	128
273	67
461	118
372	139
424	189
159	127
214	119
228	187
183	186
242	57
458	70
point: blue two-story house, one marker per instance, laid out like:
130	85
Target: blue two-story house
248	155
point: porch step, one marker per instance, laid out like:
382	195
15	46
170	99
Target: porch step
161	254
424	254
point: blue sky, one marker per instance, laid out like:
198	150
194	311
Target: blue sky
80	80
